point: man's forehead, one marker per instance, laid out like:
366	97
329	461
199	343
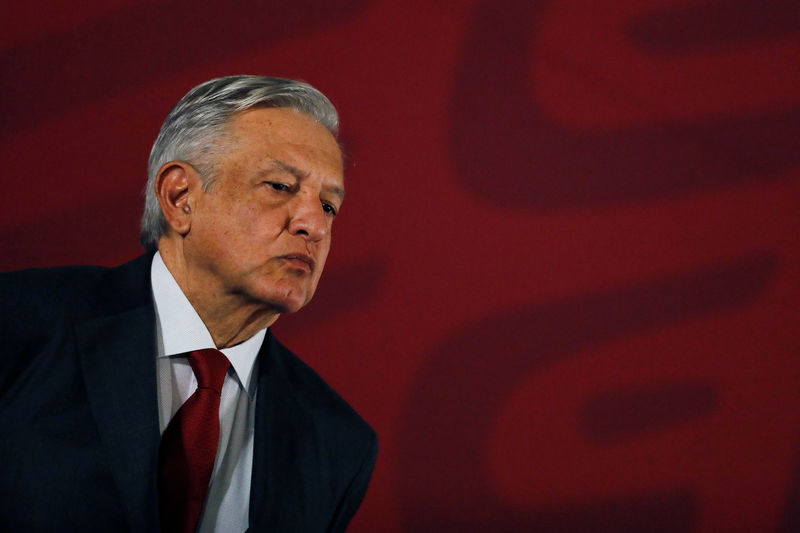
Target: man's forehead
286	125
287	135
279	121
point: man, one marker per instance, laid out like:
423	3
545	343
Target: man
245	180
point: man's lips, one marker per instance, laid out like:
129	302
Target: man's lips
300	260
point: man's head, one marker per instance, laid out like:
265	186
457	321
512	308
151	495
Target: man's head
246	177
195	128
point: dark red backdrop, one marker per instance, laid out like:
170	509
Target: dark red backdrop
564	287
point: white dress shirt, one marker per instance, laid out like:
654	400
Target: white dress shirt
180	330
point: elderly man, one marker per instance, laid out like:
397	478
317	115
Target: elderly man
153	395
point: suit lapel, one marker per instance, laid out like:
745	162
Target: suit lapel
118	357
276	492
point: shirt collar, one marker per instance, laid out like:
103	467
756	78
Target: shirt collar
182	329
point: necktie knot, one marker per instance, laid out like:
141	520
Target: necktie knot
210	367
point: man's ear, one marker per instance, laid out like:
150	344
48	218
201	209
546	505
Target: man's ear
176	184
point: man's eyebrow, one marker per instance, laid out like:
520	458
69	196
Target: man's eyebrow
281	166
337	191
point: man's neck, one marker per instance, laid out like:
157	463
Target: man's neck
229	318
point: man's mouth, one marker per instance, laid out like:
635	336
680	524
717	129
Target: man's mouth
301	261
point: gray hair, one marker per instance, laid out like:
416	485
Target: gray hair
194	127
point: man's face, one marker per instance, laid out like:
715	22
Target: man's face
262	232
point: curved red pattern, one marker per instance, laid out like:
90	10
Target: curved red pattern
126	48
564	167
564	285
446	435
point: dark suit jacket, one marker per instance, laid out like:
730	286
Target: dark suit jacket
79	419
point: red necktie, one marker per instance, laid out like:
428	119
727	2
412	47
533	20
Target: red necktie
189	446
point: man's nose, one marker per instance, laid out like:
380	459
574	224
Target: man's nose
308	219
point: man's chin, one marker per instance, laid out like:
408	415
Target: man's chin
284	302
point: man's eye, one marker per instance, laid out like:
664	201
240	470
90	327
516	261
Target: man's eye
328	208
278	186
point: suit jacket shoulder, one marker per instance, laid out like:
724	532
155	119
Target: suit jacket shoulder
314	394
323	456
36	304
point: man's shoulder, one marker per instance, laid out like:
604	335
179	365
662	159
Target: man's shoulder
50	281
42	294
72	290
36	304
318	399
322	425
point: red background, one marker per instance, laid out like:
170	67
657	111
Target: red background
564	285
